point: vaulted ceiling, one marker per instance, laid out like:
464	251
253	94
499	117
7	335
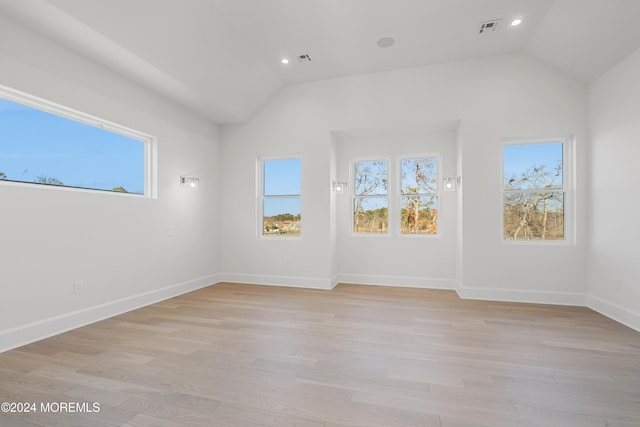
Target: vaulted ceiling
222	58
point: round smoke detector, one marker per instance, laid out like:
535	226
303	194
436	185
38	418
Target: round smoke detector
386	42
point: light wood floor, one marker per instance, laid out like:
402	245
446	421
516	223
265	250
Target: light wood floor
240	355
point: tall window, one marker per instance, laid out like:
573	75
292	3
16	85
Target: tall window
371	196
535	185
418	195
46	144
281	202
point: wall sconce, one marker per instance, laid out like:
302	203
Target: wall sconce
190	182
338	186
450	184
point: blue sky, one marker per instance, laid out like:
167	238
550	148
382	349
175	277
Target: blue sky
518	158
371	177
35	143
282	177
411	183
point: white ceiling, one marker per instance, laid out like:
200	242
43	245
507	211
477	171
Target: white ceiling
221	58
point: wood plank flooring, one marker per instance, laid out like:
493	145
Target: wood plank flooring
241	355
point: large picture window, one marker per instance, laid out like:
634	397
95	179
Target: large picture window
535	191
281	197
371	196
418	195
46	144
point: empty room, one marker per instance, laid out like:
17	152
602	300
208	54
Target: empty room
319	213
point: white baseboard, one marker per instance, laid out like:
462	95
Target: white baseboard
288	281
334	281
399	281
22	335
26	334
526	296
613	311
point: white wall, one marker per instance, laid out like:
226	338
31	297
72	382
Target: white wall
614	120
120	249
246	258
519	98
333	211
408	260
118	246
502	97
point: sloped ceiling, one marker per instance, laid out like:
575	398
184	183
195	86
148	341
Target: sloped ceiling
221	58
585	38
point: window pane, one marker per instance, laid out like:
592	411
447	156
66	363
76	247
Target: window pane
534	215
371	215
43	148
281	216
282	177
419	215
419	176
533	166
370	178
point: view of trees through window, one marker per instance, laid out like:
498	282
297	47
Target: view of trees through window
370	200
533	192
417	203
419	200
39	147
281	202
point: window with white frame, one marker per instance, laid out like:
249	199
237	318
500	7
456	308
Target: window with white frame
371	196
536	190
419	195
47	144
281	197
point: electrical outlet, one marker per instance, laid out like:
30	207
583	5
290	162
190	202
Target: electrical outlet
170	231
77	287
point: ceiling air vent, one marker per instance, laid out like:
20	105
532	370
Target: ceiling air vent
304	58
489	26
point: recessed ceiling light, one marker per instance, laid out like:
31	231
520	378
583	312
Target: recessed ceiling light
386	42
516	22
284	60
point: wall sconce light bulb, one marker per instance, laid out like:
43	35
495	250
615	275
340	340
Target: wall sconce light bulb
450	184
338	186
190	182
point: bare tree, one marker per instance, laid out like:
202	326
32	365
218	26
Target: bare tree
370	180
418	194
43	179
534	205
